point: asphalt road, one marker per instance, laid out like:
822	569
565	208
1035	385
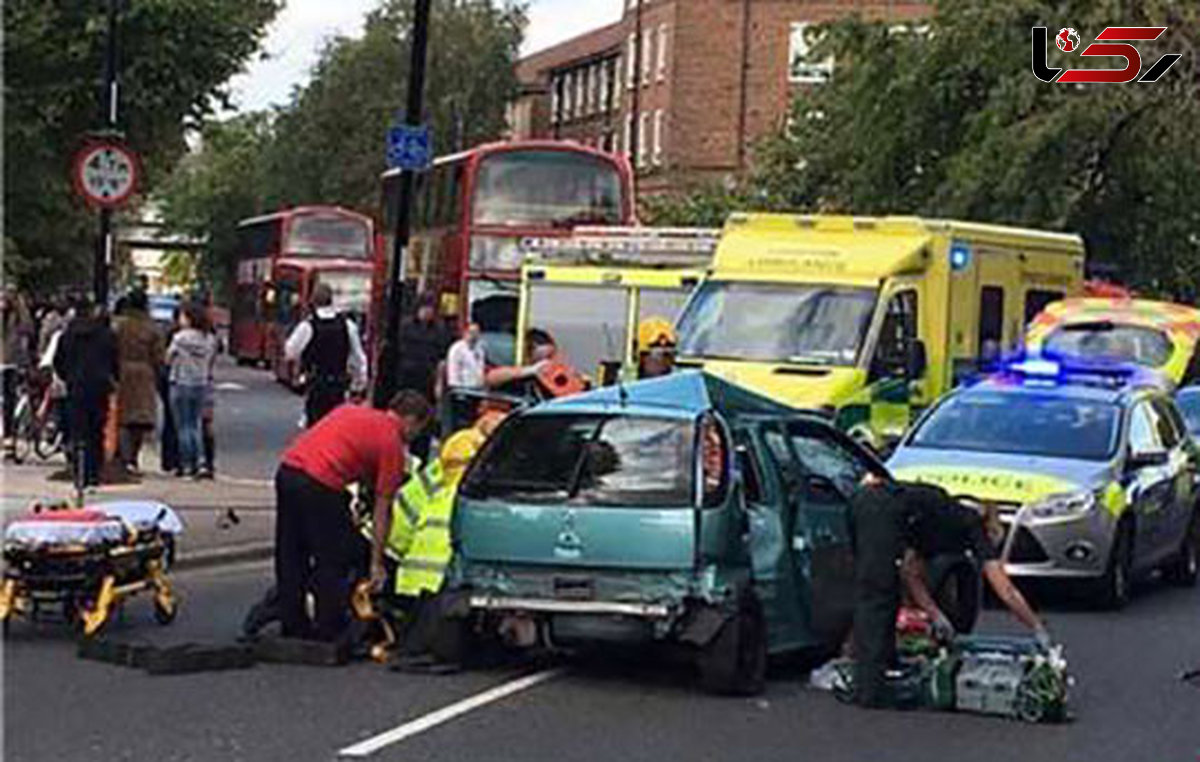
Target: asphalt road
1129	703
255	418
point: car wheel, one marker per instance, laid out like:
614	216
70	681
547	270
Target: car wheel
734	662
1113	589
1185	568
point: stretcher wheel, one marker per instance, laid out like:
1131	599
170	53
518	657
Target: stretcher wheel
164	615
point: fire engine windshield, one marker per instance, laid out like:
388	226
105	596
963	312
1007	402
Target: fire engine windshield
772	322
327	235
547	188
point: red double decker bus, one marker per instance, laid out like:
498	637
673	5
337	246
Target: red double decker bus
281	258
472	210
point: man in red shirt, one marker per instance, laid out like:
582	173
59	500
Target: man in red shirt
314	531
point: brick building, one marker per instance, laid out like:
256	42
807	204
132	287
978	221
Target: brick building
689	95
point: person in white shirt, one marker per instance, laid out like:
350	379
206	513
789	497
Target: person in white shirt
329	348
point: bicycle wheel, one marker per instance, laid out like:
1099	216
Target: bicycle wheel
48	440
23	430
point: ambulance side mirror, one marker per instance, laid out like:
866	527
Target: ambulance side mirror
917	361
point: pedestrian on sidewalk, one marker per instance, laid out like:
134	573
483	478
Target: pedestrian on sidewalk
314	530
168	438
466	378
426	341
190	358
329	349
140	349
87	361
19	338
209	409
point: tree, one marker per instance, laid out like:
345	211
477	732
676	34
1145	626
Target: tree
175	58
327	145
329	140
949	121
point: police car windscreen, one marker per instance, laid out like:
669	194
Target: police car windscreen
1105	341
1021	423
772	322
588	460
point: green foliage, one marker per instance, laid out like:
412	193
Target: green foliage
951	122
327	145
175	58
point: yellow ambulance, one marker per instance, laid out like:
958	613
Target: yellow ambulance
869	319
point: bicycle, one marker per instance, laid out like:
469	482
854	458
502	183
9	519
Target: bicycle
35	428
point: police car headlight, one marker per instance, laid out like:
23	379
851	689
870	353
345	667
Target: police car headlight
1063	506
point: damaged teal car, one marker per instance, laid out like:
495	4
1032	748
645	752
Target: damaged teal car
682	511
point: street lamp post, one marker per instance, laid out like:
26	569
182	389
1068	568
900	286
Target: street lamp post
385	375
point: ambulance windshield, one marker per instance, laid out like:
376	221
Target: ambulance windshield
809	324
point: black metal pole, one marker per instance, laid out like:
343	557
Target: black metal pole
385	375
104	246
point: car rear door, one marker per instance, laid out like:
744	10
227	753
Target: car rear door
828	470
1151	486
1181	501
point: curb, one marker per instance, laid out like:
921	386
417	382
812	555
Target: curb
224	556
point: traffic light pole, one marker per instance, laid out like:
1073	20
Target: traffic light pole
385	373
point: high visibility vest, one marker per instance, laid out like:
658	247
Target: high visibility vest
423	565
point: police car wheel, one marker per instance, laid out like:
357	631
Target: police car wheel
1185	568
734	662
1113	589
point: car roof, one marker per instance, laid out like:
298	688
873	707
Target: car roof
1114	394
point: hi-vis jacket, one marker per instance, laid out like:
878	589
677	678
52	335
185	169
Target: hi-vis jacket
420	531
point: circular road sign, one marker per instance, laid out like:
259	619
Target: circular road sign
105	173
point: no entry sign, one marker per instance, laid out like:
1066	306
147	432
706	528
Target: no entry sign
105	173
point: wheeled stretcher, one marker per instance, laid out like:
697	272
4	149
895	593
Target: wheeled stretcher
86	563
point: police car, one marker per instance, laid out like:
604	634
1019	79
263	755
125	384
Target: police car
1091	470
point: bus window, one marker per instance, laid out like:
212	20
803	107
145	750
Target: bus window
555	188
329	235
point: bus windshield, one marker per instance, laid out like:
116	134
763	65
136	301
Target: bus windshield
772	322
547	188
328	235
351	290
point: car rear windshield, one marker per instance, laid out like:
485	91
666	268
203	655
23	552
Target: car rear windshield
1149	347
588	460
1019	423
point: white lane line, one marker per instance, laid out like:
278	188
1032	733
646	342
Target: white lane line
445	714
230	386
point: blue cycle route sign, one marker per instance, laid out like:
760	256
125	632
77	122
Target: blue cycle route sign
409	147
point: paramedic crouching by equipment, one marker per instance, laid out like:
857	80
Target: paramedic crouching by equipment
329	349
314	531
889	521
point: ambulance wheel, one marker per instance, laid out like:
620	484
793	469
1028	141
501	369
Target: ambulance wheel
164	615
1113	589
1185	567
734	662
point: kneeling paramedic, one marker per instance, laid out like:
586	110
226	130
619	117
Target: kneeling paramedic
892	520
314	530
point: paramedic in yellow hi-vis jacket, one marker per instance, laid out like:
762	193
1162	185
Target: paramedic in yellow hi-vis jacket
426	503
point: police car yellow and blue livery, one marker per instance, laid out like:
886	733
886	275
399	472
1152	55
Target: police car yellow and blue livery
1091	470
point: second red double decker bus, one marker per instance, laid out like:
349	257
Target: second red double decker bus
281	258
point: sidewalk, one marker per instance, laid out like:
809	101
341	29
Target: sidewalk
201	505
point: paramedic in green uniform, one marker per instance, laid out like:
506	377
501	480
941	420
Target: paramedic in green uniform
891	520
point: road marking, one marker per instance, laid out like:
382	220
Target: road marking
243	482
231	386
445	714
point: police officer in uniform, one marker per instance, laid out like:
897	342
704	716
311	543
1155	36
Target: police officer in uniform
895	525
329	349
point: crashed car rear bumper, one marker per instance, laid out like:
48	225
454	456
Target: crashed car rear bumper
551	606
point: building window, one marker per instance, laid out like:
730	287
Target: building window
631	62
555	98
658	138
642	147
605	95
627	138
801	68
662	52
593	89
580	92
614	80
566	100
647	54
